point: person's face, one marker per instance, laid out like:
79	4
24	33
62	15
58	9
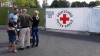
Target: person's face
20	11
24	11
35	14
16	11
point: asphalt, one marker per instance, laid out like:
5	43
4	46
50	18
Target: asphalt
57	44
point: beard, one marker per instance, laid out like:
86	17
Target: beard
15	13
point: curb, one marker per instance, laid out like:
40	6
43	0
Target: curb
3	27
65	31
42	28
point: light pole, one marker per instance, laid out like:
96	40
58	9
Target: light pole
70	4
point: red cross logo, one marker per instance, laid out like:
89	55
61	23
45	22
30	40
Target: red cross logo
64	18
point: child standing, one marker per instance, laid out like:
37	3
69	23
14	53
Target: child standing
12	37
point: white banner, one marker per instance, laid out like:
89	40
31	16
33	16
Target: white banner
78	19
94	20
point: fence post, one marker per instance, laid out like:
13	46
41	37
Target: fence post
45	19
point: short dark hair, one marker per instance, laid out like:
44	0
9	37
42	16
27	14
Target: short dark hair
15	8
11	24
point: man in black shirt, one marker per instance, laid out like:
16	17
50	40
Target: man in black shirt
24	25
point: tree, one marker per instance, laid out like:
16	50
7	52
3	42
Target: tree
27	3
84	4
20	3
60	4
4	1
55	4
79	4
92	4
97	2
37	4
63	4
76	4
45	4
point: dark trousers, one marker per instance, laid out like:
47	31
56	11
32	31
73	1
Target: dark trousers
35	34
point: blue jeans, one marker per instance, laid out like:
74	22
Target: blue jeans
35	34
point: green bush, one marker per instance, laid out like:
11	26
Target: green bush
3	16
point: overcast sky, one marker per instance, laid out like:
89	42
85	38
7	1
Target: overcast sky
50	1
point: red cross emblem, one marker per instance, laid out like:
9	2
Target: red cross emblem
64	18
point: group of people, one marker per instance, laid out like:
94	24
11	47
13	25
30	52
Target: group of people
23	25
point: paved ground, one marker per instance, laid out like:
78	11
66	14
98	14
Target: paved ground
57	44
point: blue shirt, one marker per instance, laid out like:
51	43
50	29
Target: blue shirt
14	18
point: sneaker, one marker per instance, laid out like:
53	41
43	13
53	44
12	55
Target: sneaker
20	48
28	47
15	51
36	45
32	46
9	49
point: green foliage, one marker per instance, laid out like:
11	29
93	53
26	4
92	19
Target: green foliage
59	4
92	4
63	4
4	0
76	4
55	4
79	4
97	2
84	4
25	3
20	3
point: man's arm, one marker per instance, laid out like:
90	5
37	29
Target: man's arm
30	22
10	18
19	22
30	18
15	31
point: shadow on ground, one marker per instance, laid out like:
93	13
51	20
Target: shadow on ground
91	37
3	45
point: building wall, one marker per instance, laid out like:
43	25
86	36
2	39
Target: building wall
6	4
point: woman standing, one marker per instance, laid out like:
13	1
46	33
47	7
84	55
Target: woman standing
12	37
35	29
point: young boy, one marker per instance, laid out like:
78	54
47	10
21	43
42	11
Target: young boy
12	37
